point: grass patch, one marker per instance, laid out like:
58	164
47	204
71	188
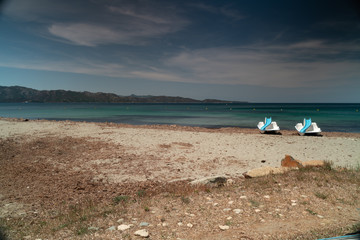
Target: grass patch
121	199
311	212
185	200
320	195
254	203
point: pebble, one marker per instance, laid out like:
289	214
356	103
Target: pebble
164	224
319	216
224	227
267	196
123	227
112	228
180	224
215	204
93	228
226	209
230	202
189	225
229	218
142	233
243	197
237	211
257	210
144	224
120	220
293	204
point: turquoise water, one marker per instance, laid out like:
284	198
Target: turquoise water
329	117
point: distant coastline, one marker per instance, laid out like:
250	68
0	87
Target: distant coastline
18	94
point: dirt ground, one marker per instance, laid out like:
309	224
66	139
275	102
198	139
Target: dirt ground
54	187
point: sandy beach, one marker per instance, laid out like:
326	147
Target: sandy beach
170	153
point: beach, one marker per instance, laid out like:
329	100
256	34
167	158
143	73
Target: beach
52	166
170	153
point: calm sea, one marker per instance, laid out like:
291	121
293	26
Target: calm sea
329	117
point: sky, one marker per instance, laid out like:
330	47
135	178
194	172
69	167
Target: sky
256	51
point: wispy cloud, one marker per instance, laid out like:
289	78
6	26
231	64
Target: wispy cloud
266	65
126	22
271	66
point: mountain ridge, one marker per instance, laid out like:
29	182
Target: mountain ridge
24	94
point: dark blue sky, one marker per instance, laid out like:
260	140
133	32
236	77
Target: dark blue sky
259	51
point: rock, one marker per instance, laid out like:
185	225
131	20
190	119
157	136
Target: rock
226	209
123	227
189	225
224	227
93	228
243	197
313	163
230	202
142	233
180	224
144	224
257	210
230	182
217	181
237	211
289	161
120	220
263	171
267	196
112	228
229	218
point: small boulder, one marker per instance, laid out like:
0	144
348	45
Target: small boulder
142	233
123	227
224	227
289	161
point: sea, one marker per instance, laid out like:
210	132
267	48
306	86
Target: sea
328	116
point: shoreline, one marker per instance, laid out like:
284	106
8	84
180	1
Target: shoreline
193	128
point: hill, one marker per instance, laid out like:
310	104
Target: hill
23	94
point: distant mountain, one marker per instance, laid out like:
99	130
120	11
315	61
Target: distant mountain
23	94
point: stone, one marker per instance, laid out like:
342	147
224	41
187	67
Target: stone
142	233
93	228
226	209
144	224
224	227
237	211
112	228
217	180
230	202
243	197
257	210
189	225
313	163
263	171
230	182
290	162
229	218
180	224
